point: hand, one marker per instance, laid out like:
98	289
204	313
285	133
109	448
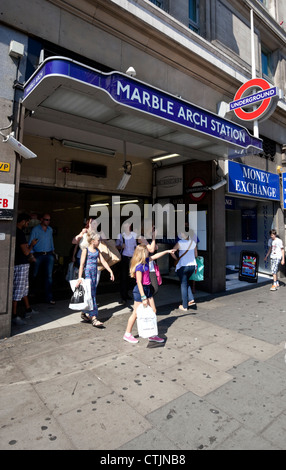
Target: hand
34	241
78	282
145	302
112	276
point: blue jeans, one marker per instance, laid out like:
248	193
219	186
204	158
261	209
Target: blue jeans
47	262
184	274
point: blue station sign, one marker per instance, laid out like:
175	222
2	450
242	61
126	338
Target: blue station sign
137	95
245	180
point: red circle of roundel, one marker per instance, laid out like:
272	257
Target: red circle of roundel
251	116
197	182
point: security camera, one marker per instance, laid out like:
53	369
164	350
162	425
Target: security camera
131	71
19	148
218	185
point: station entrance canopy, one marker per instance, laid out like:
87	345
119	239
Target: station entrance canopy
62	90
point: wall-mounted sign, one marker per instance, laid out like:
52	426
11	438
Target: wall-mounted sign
255	100
197	189
137	95
169	181
4	166
245	180
284	189
7	192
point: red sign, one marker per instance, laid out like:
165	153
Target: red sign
262	101
196	189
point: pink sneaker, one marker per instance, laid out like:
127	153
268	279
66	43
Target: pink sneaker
130	339
156	339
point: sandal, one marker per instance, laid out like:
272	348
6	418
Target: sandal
95	322
182	308
85	317
191	303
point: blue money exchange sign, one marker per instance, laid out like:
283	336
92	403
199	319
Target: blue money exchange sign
245	180
284	189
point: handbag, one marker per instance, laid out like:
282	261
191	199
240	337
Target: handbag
110	253
158	274
78	299
198	274
146	321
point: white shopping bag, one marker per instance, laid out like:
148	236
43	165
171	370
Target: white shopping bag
88	303
146	321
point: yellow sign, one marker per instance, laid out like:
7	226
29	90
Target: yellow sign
4	166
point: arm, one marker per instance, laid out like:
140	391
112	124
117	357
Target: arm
162	253
140	287
27	248
82	263
77	238
268	253
151	247
106	266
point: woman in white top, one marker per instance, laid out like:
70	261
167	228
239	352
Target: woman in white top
185	267
126	243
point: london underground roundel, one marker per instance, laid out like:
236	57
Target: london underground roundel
254	100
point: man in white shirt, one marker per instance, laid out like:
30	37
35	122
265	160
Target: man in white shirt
277	255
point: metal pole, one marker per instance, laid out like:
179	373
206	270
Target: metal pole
253	65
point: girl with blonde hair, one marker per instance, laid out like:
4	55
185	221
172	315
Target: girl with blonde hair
88	262
142	292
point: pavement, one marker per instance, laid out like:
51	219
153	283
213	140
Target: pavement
217	383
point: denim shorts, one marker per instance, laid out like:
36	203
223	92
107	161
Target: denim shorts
148	291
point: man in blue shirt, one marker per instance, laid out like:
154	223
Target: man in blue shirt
43	252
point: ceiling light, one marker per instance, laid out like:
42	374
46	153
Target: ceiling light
164	157
100	205
88	147
126	202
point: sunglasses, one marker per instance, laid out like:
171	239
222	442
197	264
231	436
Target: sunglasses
48	220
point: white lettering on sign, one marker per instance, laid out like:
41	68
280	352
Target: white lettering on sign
183	114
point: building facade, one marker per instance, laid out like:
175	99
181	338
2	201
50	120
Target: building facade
98	89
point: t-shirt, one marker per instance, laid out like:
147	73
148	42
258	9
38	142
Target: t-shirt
130	242
144	269
276	245
20	258
189	258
